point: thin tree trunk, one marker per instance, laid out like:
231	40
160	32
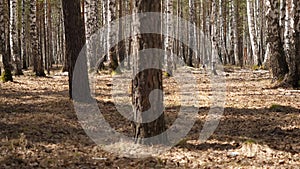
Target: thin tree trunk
252	33
169	40
191	33
112	53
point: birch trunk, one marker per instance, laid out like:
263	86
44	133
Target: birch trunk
252	32
146	81
277	59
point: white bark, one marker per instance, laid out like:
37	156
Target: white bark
252	32
169	40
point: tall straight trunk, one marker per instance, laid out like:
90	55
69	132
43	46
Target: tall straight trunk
90	16
168	40
121	44
182	47
50	35
282	18
221	31
75	40
34	34
292	39
15	36
24	35
147	80
232	31
191	32
39	71
214	35
4	41
277	59
130	38
112	53
252	32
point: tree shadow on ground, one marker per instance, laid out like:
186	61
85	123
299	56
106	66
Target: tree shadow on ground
55	121
278	130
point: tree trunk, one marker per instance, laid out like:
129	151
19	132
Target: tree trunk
75	40
121	44
15	36
112	53
191	33
252	32
4	41
146	81
168	40
292	43
214	36
39	70
277	59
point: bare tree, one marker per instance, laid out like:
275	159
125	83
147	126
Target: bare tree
4	40
148	80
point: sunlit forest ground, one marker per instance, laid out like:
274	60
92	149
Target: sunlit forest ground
260	127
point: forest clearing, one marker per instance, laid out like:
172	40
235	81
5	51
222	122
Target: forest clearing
149	84
259	128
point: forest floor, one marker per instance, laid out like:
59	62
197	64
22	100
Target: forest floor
260	127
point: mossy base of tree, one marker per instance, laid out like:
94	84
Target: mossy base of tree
6	76
166	74
116	72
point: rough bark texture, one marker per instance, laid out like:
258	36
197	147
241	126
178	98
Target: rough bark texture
4	41
75	40
292	43
16	47
169	40
148	80
252	32
33	34
277	60
214	36
111	48
192	33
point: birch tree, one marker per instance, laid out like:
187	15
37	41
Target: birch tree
148	80
4	41
277	60
191	32
112	53
15	36
292	43
168	40
252	32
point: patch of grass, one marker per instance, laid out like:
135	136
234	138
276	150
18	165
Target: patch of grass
275	106
255	67
116	72
166	74
250	141
263	67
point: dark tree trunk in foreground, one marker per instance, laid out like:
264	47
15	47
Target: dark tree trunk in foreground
277	59
75	40
147	80
4	40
